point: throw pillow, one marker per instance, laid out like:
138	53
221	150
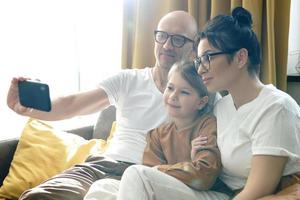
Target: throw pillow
43	152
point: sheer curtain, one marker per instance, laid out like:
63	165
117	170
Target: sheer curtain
69	44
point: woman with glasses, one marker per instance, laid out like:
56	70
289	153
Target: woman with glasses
258	125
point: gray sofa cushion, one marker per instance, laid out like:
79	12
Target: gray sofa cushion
104	122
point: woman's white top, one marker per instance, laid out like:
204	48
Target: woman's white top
268	125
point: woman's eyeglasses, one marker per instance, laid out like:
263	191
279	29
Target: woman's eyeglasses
205	59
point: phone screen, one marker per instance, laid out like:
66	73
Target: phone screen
34	95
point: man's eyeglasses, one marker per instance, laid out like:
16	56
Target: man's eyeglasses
205	59
178	41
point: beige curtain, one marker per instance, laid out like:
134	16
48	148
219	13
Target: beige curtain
270	22
140	20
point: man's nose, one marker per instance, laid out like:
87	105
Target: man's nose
168	44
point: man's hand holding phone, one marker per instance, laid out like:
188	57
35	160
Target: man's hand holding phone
25	94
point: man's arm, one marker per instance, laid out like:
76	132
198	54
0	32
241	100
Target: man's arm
264	177
63	107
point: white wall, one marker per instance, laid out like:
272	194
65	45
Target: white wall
294	38
293	88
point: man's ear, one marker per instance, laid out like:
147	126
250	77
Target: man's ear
202	102
241	57
192	55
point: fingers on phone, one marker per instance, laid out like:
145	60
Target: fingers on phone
21	78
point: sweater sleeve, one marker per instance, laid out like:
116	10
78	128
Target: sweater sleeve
153	153
201	172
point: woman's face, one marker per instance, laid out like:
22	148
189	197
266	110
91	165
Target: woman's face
218	73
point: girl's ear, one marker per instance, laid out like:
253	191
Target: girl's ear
242	57
202	102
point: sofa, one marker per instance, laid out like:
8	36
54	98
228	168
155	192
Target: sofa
100	130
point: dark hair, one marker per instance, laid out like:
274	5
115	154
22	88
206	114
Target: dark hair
233	32
189	74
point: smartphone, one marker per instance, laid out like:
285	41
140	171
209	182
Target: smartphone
35	95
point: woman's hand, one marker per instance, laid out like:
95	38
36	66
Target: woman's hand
197	144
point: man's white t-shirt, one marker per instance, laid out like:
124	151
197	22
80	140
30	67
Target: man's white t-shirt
139	109
268	125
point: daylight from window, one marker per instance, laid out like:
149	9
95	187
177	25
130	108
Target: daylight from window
69	44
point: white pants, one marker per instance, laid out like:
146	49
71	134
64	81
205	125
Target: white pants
104	189
145	183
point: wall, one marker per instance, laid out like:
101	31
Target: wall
294	52
294	39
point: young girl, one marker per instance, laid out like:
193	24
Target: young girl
175	169
175	163
258	125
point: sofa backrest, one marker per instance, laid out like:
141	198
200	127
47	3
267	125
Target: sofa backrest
103	125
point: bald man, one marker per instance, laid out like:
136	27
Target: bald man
137	96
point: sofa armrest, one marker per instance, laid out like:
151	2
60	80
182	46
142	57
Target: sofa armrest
7	150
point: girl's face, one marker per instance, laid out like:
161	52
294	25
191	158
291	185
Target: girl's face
180	98
220	75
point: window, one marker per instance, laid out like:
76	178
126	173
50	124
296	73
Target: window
294	39
69	44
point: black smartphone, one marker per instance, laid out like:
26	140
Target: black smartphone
35	95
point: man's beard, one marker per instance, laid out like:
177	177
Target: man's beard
167	65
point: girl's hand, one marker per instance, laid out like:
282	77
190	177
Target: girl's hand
197	144
155	167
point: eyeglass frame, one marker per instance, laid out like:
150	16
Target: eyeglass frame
198	62
185	39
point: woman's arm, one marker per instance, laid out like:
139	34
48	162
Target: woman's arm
264	177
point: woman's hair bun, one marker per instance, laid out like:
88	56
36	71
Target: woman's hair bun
242	17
